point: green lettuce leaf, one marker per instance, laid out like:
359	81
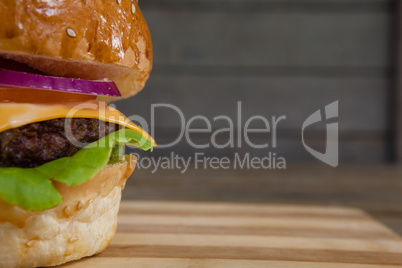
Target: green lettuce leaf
32	188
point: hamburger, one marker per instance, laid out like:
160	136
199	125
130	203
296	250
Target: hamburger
62	166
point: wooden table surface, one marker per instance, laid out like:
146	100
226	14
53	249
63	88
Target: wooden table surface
197	235
374	189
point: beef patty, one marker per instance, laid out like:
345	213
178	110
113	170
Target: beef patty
38	143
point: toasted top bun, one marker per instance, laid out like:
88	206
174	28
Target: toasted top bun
88	39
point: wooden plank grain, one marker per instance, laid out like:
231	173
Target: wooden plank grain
278	242
246	210
340	224
107	262
260	246
380	247
265	253
374	188
254	231
233	215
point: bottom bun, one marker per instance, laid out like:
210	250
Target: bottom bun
82	225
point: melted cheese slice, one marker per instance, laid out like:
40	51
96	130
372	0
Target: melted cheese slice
13	115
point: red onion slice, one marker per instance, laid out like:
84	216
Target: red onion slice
71	85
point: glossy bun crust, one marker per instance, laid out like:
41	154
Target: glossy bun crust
82	225
88	39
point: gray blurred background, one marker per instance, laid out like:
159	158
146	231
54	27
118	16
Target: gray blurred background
278	57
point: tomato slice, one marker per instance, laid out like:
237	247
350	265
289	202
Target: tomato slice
29	95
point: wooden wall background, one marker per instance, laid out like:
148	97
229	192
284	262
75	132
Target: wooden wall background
279	57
